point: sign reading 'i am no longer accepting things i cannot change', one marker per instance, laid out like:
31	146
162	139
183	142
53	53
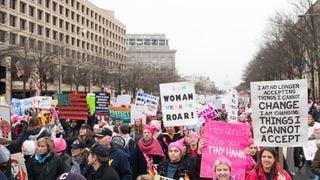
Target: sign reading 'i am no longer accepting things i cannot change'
280	112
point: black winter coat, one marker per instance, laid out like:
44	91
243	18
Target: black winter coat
184	169
105	172
49	170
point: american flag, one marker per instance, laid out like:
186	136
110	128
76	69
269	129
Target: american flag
36	83
19	68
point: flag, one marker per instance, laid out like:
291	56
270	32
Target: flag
19	69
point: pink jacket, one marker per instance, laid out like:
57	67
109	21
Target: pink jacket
254	176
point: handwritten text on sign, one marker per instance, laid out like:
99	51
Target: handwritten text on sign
225	140
280	112
178	104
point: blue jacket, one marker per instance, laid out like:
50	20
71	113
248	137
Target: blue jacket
119	161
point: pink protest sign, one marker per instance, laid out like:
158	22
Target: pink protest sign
225	140
206	113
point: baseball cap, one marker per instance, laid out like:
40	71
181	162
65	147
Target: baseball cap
103	132
78	144
99	150
71	176
86	125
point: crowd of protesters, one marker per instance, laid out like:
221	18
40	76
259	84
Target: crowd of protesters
101	149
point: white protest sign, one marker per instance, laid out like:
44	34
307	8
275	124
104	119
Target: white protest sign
42	102
310	150
123	100
178	104
5	127
279	112
232	105
137	114
147	103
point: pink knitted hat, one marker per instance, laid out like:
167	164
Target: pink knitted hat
178	144
59	144
223	161
152	129
194	134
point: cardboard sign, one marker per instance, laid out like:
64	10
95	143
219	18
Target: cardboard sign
232	105
123	100
225	140
18	167
120	113
42	102
147	103
206	113
102	102
5	127
280	112
178	104
137	114
310	150
63	99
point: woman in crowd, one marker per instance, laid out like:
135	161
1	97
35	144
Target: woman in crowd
28	149
86	135
193	139
267	167
251	153
222	169
170	136
175	167
45	165
136	131
147	154
79	157
60	146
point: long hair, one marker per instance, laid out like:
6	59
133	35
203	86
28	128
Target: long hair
274	166
48	141
88	136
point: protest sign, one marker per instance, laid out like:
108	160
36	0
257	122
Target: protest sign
5	127
279	110
15	107
120	113
137	114
77	108
42	102
63	99
18	167
178	104
147	103
206	113
102	102
91	100
232	105
225	140
158	177
123	100
310	150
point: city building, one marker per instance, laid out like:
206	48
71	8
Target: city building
70	45
150	51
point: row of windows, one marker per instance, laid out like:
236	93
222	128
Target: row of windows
156	42
41	30
68	13
47	47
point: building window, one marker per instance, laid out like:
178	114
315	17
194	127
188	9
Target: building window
72	3
161	42
78	17
47	32
67	26
40	30
67	1
47	3
78	5
12	4
61	37
2	2
32	43
2	36
67	12
22	24
13	21
67	39
31	11
82	8
54	35
54	20
12	38
40	45
72	28
23	7
47	17
72	41
61	23
23	40
139	42
39	14
154	41
72	15
54	6
2	17
146	42
31	27
39	1
61	9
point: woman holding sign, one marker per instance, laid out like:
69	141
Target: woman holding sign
267	167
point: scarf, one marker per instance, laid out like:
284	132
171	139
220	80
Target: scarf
153	148
42	158
76	161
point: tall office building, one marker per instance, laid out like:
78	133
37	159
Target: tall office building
70	44
150	51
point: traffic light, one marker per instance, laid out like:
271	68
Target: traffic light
2	80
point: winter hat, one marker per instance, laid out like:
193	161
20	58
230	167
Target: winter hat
150	128
118	141
223	161
178	144
251	141
103	132
29	147
59	144
4	154
71	176
194	134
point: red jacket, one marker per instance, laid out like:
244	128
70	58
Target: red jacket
254	176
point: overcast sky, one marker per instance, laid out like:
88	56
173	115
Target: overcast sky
216	38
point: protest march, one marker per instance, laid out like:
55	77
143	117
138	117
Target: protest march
267	134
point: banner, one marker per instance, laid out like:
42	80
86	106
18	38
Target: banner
102	102
206	113
63	99
225	140
279	110
120	113
310	150
42	102
147	103
232	105
5	127
178	104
